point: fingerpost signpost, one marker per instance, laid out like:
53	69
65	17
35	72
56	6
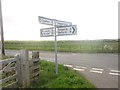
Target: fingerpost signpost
60	28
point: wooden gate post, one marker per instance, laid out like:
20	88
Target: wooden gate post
34	67
18	68
25	75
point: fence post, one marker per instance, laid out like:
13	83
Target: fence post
35	55
24	66
18	67
35	67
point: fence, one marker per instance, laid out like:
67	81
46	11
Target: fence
19	71
8	73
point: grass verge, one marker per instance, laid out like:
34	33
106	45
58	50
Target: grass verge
5	57
67	77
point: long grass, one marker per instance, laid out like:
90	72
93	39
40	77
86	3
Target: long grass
85	46
67	78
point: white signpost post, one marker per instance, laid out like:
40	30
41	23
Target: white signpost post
61	28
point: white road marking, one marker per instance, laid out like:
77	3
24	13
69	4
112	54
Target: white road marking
115	71
114	74
81	67
95	71
78	69
68	65
74	54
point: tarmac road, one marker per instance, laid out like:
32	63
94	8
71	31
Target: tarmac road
100	69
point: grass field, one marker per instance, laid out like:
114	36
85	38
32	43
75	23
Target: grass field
84	46
67	78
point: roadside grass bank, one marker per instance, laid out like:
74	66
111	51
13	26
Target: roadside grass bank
5	57
84	46
67	78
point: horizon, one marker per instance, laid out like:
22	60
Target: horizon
70	40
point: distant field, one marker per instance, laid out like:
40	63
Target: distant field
84	46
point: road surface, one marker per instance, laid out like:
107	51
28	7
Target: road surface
100	69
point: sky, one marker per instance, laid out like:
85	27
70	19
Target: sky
95	19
